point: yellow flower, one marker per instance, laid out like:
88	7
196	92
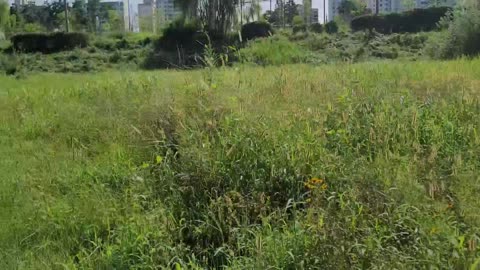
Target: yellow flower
315	183
324	187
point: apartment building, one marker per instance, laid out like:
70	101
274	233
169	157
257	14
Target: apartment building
389	6
314	13
164	8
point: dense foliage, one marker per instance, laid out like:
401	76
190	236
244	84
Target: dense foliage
412	21
331	27
48	43
365	166
256	30
461	38
216	16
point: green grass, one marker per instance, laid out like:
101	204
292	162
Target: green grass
207	168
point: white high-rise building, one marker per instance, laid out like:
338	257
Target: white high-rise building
164	8
389	6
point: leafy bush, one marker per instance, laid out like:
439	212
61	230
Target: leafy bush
412	21
256	30
461	38
331	27
8	64
316	28
180	35
276	50
299	28
49	43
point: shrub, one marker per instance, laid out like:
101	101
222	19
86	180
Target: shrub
104	44
8	64
316	28
299	28
461	39
412	21
331	27
256	30
276	50
179	35
48	43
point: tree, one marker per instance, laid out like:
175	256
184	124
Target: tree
114	22
291	10
307	11
408	4
4	14
217	16
150	23
56	15
79	16
93	15
351	8
283	13
30	17
253	11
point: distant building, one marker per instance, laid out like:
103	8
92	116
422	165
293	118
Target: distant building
122	9
145	9
168	9
388	6
333	6
164	8
314	13
395	6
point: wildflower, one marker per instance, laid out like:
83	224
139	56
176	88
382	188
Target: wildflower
314	183
450	205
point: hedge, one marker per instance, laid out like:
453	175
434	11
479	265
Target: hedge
316	28
331	27
48	43
181	36
256	30
412	21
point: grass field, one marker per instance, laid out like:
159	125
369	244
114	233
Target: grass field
371	165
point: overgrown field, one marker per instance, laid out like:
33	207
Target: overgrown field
141	52
371	165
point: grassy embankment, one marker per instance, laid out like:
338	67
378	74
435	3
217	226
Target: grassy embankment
371	165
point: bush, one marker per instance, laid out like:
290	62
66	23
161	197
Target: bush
276	50
256	30
331	27
8	65
48	43
104	44
316	28
412	21
299	28
461	39
179	35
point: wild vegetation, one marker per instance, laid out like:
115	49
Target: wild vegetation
369	165
281	145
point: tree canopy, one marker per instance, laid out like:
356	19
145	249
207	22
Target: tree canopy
217	16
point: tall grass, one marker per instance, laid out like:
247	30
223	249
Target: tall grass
370	165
